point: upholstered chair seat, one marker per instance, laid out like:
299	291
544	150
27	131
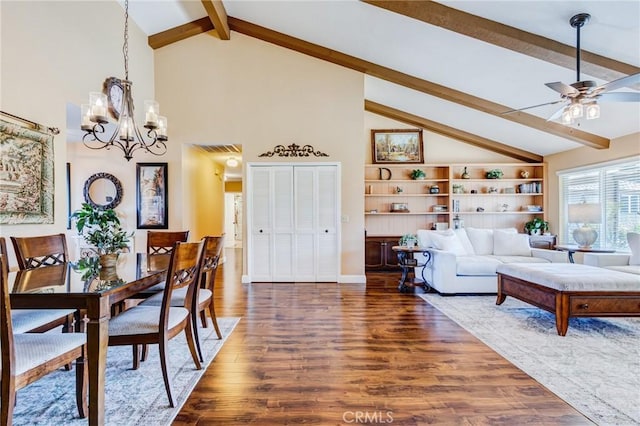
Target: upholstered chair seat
35	349
26	320
177	298
144	320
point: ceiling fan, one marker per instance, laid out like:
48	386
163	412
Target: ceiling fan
581	98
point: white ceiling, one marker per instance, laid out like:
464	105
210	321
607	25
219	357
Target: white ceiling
447	58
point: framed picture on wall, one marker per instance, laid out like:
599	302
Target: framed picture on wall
403	146
151	195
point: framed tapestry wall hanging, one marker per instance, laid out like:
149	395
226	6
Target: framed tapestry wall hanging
26	174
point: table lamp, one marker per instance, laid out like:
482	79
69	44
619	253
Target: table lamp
585	214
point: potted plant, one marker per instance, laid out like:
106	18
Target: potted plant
101	228
536	226
408	240
417	174
495	174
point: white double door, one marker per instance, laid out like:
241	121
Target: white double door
294	215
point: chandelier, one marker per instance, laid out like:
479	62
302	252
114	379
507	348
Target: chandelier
118	100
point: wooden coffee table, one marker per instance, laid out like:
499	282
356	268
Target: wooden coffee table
597	293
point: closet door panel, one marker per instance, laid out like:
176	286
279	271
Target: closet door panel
283	229
305	219
261	260
327	228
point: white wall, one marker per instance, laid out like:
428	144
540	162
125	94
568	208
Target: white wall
54	53
245	91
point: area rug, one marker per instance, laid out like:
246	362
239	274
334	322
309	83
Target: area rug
595	368
131	397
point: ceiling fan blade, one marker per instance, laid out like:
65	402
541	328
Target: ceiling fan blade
620	97
563	89
532	106
556	114
629	80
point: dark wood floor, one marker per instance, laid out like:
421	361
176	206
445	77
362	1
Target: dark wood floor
330	354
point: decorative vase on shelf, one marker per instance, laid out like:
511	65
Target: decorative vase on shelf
465	175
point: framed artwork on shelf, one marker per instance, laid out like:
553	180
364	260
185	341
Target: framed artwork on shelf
151	196
26	171
401	146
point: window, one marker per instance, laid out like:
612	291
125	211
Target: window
616	187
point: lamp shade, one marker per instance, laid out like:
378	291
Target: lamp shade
585	213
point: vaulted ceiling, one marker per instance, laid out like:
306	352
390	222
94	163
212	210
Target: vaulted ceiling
452	67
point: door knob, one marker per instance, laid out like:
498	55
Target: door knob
326	231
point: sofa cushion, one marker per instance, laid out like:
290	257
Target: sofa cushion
629	269
633	238
448	242
424	236
520	259
481	239
476	265
464	239
510	244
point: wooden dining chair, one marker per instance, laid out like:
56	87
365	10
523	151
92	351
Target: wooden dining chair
203	295
28	357
37	320
162	242
145	325
33	252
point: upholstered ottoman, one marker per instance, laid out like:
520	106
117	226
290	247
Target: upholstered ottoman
571	290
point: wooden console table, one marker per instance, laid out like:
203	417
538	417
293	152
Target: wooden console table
570	249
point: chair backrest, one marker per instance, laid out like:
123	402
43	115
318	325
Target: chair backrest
33	252
183	271
3	251
6	327
162	242
210	259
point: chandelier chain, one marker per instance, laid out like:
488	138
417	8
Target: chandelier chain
125	47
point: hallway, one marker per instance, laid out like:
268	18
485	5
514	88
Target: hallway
330	354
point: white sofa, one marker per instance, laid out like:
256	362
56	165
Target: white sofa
623	262
465	260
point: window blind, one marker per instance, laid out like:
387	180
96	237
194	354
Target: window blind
616	187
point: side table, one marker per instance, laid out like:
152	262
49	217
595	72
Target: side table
407	262
572	248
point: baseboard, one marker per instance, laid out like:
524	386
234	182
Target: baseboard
246	279
352	279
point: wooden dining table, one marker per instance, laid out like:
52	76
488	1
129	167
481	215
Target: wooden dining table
93	290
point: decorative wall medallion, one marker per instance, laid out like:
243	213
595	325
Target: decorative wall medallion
293	150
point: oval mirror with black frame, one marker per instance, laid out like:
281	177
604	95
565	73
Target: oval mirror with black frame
103	191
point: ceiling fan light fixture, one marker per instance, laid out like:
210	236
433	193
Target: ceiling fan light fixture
593	111
576	109
566	116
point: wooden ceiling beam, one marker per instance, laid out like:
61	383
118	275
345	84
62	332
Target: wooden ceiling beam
418	84
181	32
460	135
384	73
508	37
218	16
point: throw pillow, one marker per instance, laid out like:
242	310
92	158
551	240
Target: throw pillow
448	242
424	236
481	240
464	239
633	238
510	244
